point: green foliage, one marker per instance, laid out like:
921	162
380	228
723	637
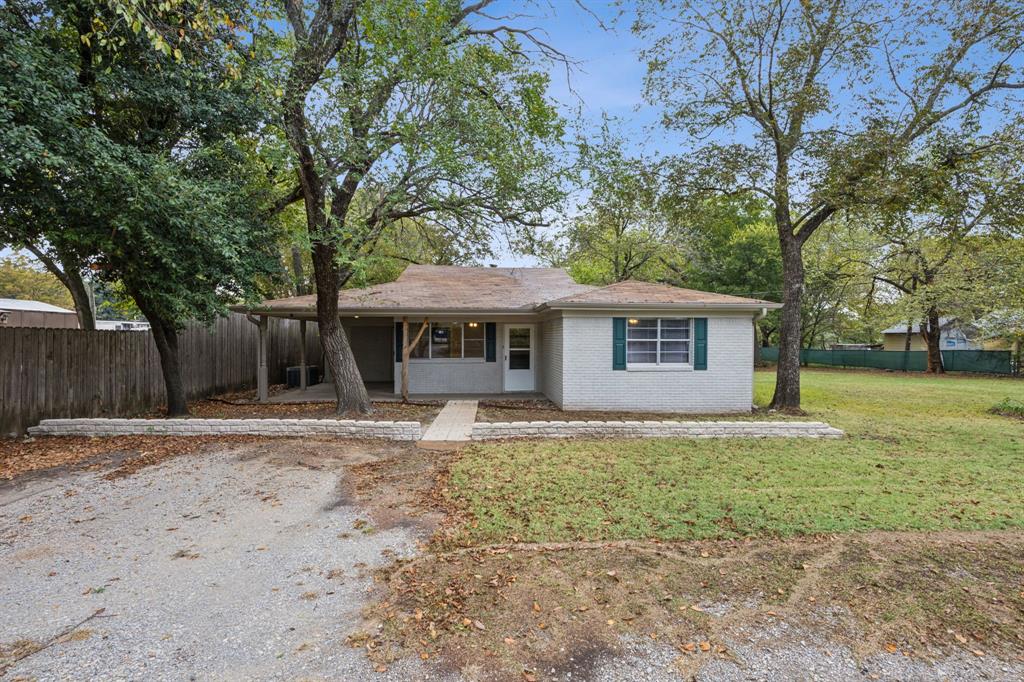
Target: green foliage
921	453
622	231
426	120
136	167
22	279
949	228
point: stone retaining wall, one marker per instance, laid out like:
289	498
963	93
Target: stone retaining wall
347	428
653	429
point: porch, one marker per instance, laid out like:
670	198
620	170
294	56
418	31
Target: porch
456	357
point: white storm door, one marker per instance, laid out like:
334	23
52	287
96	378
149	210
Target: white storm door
519	357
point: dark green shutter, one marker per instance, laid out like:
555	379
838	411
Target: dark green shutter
398	341
618	343
700	343
491	341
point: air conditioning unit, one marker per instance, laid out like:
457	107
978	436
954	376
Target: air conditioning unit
293	375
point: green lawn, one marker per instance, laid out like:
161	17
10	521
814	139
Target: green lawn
921	453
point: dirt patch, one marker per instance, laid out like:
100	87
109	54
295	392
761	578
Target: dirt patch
514	609
127	454
224	408
403	486
544	410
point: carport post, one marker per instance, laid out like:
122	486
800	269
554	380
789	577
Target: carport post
302	355
262	379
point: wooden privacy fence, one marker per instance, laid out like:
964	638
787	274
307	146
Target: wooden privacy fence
53	373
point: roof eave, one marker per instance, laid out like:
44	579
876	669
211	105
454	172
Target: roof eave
380	312
702	305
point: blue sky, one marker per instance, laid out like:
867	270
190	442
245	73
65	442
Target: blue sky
607	78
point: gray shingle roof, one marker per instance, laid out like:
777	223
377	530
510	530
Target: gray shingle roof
452	288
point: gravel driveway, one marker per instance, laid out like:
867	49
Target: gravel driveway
239	563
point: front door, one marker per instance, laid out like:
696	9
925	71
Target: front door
519	357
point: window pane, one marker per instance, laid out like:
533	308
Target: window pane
642	329
675	329
641	352
456	341
473	340
674	346
674	358
519	337
519	359
420	349
445	341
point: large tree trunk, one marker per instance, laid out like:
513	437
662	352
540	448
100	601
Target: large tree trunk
348	383
166	338
932	334
67	271
80	295
787	376
297	272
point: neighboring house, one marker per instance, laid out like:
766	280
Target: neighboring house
626	346
122	325
855	346
954	336
20	313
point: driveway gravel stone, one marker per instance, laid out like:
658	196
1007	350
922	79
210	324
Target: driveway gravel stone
228	565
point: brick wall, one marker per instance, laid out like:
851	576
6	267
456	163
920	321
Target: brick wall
550	360
589	382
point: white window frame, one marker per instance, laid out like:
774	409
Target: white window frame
462	347
658	364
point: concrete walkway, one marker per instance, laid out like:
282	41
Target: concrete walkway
452	427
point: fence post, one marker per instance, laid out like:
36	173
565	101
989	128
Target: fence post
302	355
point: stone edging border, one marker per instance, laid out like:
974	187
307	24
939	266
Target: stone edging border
654	429
349	428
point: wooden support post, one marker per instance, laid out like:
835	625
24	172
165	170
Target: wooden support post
302	355
407	346
262	378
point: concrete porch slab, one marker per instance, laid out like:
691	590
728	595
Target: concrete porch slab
384	392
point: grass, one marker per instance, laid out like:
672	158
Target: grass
921	453
1008	407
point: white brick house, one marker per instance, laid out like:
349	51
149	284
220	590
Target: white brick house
626	346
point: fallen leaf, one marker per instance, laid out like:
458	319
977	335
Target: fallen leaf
891	648
478	625
705	646
536	607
